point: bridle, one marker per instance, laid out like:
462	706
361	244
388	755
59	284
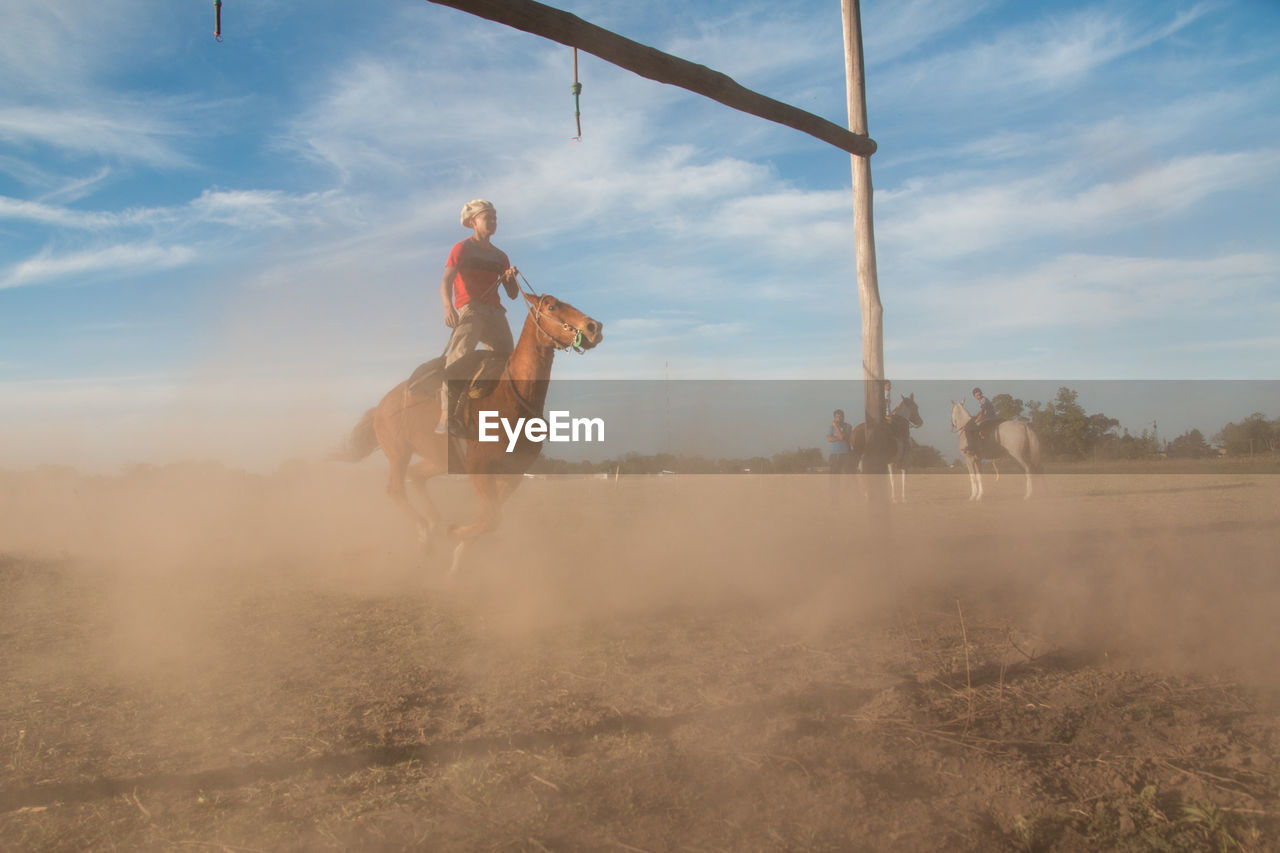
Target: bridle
535	301
910	423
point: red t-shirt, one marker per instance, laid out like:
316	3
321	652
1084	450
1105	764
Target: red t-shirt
479	267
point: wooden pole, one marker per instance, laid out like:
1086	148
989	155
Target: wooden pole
567	29
874	462
863	220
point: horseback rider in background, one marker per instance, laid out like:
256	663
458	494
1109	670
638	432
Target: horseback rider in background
986	414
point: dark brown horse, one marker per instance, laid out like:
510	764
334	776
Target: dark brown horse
404	423
904	416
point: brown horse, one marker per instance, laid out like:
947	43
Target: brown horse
404	423
904	416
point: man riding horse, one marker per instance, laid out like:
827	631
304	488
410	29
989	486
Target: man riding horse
971	432
472	305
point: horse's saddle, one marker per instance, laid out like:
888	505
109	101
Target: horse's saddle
476	374
987	429
985	441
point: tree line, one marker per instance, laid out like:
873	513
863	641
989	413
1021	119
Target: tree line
1067	433
799	461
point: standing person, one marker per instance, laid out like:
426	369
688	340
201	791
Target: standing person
472	305
838	434
986	414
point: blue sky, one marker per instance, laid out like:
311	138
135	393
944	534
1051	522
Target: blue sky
230	250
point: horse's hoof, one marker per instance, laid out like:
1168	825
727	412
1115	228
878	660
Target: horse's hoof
456	562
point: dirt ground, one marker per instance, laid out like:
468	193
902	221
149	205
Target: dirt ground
193	657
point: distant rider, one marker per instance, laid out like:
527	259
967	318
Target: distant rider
986	414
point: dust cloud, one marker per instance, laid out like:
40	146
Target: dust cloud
195	654
164	566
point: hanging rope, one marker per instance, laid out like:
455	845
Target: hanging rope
577	90
217	20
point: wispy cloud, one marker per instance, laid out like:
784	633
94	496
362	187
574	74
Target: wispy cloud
47	266
891	30
125	132
254	209
1046	53
971	219
73	189
61	61
51	47
56	215
1093	291
246	210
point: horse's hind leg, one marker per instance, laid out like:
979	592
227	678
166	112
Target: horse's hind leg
399	464
418	474
1026	467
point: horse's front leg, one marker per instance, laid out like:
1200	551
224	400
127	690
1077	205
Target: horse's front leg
898	486
429	520
975	478
492	489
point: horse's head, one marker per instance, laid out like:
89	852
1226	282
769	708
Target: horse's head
959	415
908	409
565	325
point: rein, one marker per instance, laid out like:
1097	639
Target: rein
515	392
535	311
895	414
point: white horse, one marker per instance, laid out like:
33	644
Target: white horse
1011	438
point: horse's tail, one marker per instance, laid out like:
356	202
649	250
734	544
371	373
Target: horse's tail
360	443
1033	452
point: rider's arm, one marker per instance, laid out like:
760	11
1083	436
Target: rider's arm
510	283
446	295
